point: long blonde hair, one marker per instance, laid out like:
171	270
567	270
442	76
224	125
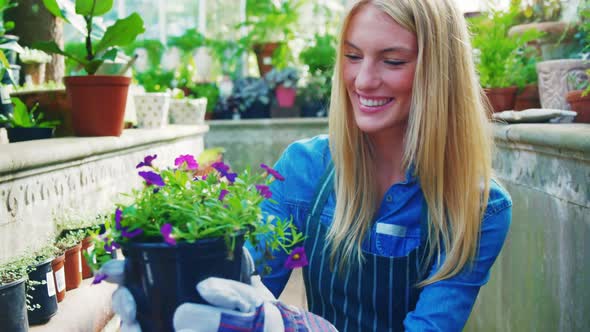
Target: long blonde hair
448	140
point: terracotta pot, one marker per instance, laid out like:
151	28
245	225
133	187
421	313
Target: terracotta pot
98	104
579	104
59	276
501	99
209	116
87	246
54	104
264	54
73	267
527	98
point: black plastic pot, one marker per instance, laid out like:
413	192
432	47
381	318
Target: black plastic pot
161	277
13	307
28	134
43	295
257	110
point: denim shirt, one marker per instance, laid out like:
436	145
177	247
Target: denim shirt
442	306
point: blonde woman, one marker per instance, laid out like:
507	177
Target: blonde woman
402	217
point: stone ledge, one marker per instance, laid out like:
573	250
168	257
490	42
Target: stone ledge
23	156
86	308
573	137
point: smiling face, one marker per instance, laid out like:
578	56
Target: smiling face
378	70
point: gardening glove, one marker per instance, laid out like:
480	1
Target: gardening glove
240	307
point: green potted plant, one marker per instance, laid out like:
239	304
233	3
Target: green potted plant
184	110
92	113
34	65
184	226
210	91
70	242
496	53
320	54
13	300
271	26
314	94
41	290
524	71
284	83
24	125
251	98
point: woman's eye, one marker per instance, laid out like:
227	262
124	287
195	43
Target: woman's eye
352	56
395	62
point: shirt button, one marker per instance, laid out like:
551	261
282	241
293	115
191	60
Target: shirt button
388	198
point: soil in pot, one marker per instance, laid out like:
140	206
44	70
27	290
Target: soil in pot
87	246
501	99
98	104
527	98
579	104
43	295
13	307
161	277
28	134
73	267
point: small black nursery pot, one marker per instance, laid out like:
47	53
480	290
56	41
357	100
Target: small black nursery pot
13	307
161	276
28	134
43	295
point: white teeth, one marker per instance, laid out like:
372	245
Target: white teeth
374	102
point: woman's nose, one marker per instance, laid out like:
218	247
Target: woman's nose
368	77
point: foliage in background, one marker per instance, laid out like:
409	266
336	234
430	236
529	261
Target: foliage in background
320	54
154	49
121	33
22	117
155	79
524	66
250	90
6	25
496	52
317	87
529	11
287	77
206	90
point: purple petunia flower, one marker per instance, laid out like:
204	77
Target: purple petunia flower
152	178
187	159
297	258
264	190
272	172
134	233
231	177
108	248
220	167
99	277
115	245
118	218
147	161
222	194
166	231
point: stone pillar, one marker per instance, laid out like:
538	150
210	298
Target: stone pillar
34	23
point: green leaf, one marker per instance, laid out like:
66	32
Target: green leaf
85	7
20	116
3	60
54	9
121	33
110	54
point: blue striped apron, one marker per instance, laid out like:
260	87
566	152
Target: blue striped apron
375	297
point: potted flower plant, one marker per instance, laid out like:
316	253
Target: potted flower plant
70	242
34	65
24	125
13	301
186	110
251	96
181	228
284	83
98	102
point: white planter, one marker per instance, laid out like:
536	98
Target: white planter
188	111
151	109
553	80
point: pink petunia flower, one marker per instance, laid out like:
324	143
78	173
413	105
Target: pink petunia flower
296	259
186	159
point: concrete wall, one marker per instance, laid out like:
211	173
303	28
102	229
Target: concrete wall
45	182
541	281
251	142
